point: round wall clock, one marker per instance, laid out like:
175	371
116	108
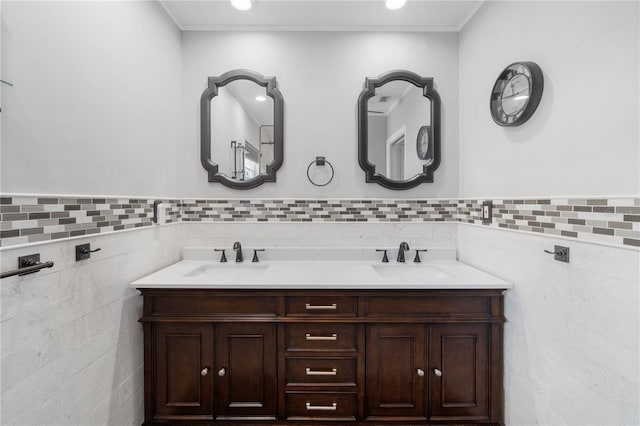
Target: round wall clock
423	145
516	94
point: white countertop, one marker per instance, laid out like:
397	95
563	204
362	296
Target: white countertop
327	270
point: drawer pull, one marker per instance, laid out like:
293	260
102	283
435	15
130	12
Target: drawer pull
332	407
222	372
333	337
204	371
437	372
331	307
332	372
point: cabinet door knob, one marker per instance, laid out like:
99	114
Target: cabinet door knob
420	372
222	372
204	371
437	372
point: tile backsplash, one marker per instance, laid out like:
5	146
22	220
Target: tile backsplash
605	220
338	210
33	218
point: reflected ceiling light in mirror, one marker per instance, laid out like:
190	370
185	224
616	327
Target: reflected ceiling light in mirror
395	4
241	4
261	98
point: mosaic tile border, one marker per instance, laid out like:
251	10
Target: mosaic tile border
32	219
604	220
301	210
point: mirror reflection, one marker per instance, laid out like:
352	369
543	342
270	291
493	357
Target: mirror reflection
396	114
399	129
242	130
241	114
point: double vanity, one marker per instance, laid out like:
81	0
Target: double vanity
310	336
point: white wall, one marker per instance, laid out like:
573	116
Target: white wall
95	106
93	110
72	349
571	338
320	76
583	138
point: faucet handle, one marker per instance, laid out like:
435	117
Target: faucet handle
223	258
255	255
385	259
417	258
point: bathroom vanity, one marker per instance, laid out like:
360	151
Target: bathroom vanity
234	352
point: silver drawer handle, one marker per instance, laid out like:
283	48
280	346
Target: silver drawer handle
331	307
332	372
437	372
332	407
308	336
204	371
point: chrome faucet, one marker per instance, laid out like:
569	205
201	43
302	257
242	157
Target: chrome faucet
403	246
237	247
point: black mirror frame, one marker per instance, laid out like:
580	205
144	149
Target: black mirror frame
428	91
205	128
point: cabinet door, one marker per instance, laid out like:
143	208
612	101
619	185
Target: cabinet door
459	374
246	371
395	364
183	385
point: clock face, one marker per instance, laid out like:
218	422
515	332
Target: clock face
422	142
516	94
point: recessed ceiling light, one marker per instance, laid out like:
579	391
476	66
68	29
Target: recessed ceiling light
260	98
241	4
395	4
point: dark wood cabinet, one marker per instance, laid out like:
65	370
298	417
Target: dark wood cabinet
310	357
182	383
459	372
396	361
246	371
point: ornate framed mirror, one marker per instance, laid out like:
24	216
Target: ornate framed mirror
399	129
241	129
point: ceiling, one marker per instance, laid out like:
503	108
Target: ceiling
246	91
321	15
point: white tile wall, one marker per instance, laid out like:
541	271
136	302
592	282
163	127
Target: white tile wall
254	235
71	341
572	331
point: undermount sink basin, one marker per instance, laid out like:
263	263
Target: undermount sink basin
227	269
421	270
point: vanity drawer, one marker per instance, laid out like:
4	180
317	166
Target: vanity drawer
420	306
321	306
321	406
320	337
191	305
320	371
